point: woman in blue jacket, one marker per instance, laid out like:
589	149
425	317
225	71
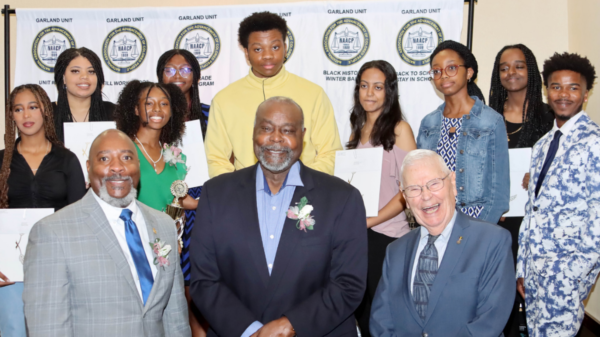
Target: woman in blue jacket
470	136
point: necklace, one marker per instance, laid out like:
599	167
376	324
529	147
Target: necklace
512	133
146	152
84	118
47	150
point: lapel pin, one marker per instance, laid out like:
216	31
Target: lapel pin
459	240
154	230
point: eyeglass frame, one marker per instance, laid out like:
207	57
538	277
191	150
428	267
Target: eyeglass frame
426	185
178	71
445	70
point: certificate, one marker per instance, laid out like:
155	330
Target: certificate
79	138
192	145
519	160
15	225
362	169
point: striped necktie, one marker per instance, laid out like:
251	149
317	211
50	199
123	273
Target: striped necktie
427	268
138	254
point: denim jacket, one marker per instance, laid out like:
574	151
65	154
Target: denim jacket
482	172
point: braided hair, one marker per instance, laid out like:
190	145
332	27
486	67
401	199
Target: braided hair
469	60
383	132
534	125
130	123
10	129
63	110
573	62
195	107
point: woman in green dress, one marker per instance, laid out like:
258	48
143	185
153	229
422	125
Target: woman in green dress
152	114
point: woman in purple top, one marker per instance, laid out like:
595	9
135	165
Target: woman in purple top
377	121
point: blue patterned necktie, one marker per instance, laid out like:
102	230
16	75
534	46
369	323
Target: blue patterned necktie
138	254
549	158
426	271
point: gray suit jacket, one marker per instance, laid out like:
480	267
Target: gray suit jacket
78	282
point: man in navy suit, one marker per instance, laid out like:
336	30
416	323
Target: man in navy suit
452	277
279	249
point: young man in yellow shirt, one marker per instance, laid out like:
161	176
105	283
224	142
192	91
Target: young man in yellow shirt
229	132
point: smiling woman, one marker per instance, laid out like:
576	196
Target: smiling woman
79	79
152	115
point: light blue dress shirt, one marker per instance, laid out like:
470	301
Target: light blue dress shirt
272	211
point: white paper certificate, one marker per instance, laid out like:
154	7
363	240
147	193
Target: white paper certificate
519	160
15	225
362	169
192	146
79	138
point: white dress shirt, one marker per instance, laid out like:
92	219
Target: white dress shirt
565	129
118	226
440	244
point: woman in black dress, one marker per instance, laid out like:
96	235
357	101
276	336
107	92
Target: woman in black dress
36	172
516	93
79	79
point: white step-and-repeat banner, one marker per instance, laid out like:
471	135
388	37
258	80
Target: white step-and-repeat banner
327	43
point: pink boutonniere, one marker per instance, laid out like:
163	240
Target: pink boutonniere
172	155
302	214
161	250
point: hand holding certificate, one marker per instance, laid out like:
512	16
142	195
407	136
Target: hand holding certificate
15	225
519	165
362	169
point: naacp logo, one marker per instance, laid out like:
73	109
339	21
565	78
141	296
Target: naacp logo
49	44
417	39
124	49
291	44
346	41
202	41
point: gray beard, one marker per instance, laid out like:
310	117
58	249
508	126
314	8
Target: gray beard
116	202
286	163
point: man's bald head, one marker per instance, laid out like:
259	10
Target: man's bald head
279	100
114	168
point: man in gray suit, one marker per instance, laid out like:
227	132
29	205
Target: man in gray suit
103	265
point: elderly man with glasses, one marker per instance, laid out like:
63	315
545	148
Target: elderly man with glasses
451	277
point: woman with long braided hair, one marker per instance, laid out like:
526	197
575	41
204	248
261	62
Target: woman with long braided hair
36	172
180	67
79	79
516	94
468	134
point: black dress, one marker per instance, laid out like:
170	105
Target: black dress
57	183
106	115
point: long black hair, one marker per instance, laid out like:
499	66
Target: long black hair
534	125
469	60
63	110
195	107
385	125
129	122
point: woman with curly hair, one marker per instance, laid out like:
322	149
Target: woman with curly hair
37	172
180	67
152	114
378	122
516	94
79	79
469	135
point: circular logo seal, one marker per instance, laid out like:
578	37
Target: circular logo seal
202	41
291	44
124	49
48	44
346	41
417	40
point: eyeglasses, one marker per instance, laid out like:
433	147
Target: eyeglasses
450	70
184	72
434	185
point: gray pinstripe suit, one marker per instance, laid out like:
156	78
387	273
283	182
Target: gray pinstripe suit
78	282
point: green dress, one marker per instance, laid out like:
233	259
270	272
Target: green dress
154	190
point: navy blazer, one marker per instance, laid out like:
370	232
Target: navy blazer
472	294
318	278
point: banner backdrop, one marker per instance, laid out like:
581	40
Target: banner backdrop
327	42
